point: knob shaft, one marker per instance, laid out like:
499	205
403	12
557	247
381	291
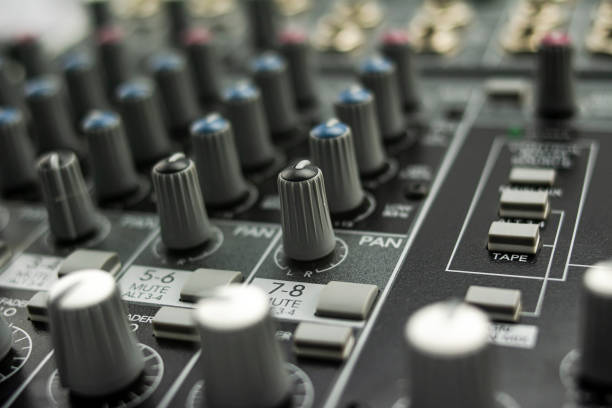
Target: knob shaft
217	161
244	109
10	92
331	148
297	52
448	350
596	325
95	350
17	159
6	338
379	76
237	329
178	17
113	169
355	107
205	64
70	210
263	23
113	57
305	219
182	214
396	46
84	86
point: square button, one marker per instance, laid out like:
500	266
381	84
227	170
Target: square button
204	280
346	300
37	307
90	259
175	323
322	341
499	303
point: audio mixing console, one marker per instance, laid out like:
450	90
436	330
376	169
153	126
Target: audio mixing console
300	203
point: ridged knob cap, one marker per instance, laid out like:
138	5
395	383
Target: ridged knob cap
396	46
355	107
448	350
113	56
305	219
113	168
236	326
379	76
95	350
331	148
84	84
555	91
216	159
17	158
29	51
182	214
205	64
6	338
596	325
297	51
272	78
244	109
52	122
70	210
263	23
143	120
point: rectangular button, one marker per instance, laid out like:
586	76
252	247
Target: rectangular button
500	304
514	237
37	307
323	342
90	259
346	300
515	91
203	280
533	205
531	176
175	323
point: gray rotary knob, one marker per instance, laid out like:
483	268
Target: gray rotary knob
355	107
272	78
113	169
30	52
331	148
378	74
52	122
596	325
6	338
84	85
305	219
17	159
297	51
113	57
236	323
263	23
205	64
216	159
244	109
182	214
70	210
396	46
95	350
448	350
143	120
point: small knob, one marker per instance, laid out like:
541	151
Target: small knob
448	350
555	77
298	53
95	350
17	158
70	210
178	17
52	122
84	86
379	76
6	338
272	79
217	161
355	107
205	64
244	109
263	23
236	323
182	214
29	51
176	89
113	57
143	120
331	148
396	46
113	169
305	219
596	325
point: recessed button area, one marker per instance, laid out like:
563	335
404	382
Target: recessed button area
175	323
204	280
531	176
346	300
90	259
524	204
514	237
500	304
324	342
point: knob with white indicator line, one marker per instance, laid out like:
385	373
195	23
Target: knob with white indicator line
95	349
305	219
239	342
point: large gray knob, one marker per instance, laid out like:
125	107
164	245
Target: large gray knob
217	161
596	325
182	214
6	338
70	210
17	160
355	107
396	46
239	343
449	357
331	148
95	350
305	219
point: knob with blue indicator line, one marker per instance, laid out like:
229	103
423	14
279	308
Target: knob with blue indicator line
17	156
355	107
84	85
331	148
379	75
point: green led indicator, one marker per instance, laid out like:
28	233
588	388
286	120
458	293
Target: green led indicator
515	132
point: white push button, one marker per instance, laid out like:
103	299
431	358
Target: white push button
532	176
514	237
175	323
346	300
533	205
323	342
498	303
